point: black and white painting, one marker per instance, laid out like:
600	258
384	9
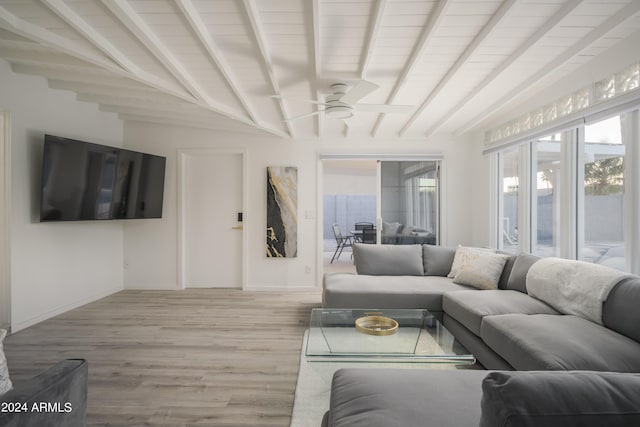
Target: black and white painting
282	210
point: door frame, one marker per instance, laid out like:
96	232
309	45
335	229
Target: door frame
182	157
5	221
406	157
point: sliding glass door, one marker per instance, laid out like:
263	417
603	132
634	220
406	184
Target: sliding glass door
398	199
409	202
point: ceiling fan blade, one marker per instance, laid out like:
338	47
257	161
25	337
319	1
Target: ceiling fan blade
311	101
290	119
359	91
384	108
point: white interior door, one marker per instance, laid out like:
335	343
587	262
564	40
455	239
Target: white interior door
212	235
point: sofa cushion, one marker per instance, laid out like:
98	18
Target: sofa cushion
559	342
437	260
462	256
388	260
621	310
560	399
470	307
342	290
482	270
518	277
405	397
485	356
5	381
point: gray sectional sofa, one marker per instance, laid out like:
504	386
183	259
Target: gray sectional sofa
579	372
468	398
505	328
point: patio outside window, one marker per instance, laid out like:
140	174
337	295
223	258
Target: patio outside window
603	189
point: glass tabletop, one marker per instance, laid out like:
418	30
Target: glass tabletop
417	336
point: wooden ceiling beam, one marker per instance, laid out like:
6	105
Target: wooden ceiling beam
146	118
103	86
134	23
109	89
131	100
497	72
75	74
374	29
41	56
200	29
493	22
624	14
435	18
315	18
261	39
13	24
72	19
165	113
185	111
141	30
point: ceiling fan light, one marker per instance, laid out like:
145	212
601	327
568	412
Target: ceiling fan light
339	112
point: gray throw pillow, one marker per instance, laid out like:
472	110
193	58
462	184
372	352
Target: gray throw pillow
388	260
506	271
518	277
437	260
560	399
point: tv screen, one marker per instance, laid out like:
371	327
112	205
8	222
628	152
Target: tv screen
84	181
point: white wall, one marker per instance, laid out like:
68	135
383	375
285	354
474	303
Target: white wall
150	247
54	266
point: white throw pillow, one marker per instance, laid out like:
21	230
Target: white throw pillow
463	256
5	382
482	270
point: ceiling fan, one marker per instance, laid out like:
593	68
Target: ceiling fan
342	103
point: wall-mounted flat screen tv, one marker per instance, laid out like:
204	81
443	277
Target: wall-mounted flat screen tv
84	181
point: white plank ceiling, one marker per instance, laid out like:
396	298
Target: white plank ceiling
246	65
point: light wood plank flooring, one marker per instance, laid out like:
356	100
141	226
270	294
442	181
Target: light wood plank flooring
198	357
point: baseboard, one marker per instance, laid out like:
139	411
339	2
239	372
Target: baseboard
63	309
167	287
280	288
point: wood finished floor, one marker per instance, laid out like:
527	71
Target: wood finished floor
198	357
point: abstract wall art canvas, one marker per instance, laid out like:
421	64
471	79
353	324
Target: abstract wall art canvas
282	211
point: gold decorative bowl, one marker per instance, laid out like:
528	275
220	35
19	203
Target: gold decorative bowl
376	325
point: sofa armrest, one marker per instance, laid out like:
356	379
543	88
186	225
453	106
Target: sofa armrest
560	399
55	397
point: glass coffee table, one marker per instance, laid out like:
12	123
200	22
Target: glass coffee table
386	336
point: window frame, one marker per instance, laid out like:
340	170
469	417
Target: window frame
571	232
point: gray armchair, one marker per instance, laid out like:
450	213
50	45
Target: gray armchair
59	395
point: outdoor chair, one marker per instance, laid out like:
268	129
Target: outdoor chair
342	241
360	229
368	236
